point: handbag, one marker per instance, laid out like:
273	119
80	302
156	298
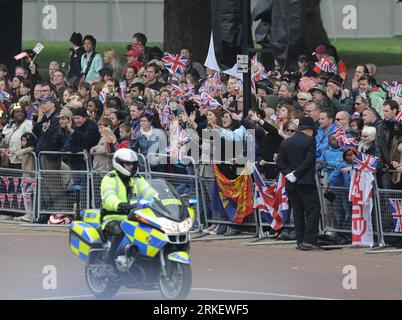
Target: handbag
83	76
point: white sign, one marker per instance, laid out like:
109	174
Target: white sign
38	48
242	68
242	63
242	59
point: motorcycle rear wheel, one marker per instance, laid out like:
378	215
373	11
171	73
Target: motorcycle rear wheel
99	286
177	285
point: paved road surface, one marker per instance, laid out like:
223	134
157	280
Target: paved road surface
221	270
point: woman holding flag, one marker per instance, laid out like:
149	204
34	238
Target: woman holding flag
229	172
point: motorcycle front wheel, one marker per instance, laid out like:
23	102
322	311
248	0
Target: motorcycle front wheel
98	284
177	284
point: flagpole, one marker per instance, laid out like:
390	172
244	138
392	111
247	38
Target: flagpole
246	8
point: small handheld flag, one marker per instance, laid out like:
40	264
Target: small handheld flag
21	56
38	48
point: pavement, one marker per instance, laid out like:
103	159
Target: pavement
222	270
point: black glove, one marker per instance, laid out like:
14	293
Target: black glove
124	207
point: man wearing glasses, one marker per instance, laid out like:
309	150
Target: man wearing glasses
312	110
47	89
342	120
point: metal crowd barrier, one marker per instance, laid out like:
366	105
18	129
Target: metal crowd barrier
389	205
60	187
53	188
336	215
184	178
263	223
214	218
97	176
18	191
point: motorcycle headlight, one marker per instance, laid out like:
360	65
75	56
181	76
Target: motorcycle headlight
169	226
185	226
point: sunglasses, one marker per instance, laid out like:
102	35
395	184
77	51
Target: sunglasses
292	131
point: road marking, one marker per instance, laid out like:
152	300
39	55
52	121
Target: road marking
263	294
193	290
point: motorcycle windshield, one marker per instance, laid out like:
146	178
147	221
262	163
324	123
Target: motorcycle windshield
167	204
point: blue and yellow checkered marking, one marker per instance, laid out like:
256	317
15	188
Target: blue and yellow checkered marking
148	240
91	216
148	212
86	232
79	248
181	257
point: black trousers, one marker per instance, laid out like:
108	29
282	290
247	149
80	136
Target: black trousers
306	207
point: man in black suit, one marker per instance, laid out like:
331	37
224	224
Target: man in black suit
297	161
76	52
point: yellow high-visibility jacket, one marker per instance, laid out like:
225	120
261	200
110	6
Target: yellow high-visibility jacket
114	192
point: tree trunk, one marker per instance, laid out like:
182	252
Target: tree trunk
187	24
316	33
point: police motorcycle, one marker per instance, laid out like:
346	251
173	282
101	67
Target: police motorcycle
153	249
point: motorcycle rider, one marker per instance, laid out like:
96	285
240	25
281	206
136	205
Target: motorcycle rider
121	189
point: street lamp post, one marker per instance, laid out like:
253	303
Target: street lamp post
246	9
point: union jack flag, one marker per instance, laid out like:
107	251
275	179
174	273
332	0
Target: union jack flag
396	89
203	87
196	99
215	79
178	143
165	119
399	117
272	201
208	101
5	95
327	65
189	90
256	66
365	162
175	63
340	136
258	73
396	211
179	93
343	140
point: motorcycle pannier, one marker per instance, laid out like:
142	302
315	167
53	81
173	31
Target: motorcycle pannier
83	238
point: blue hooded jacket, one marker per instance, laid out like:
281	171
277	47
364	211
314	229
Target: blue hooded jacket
338	178
322	139
332	157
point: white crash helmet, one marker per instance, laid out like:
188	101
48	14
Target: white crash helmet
123	156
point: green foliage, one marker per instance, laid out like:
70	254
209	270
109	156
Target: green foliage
381	51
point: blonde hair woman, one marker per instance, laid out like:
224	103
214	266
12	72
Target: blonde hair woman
111	62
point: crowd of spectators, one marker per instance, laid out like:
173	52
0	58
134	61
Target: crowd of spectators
101	104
